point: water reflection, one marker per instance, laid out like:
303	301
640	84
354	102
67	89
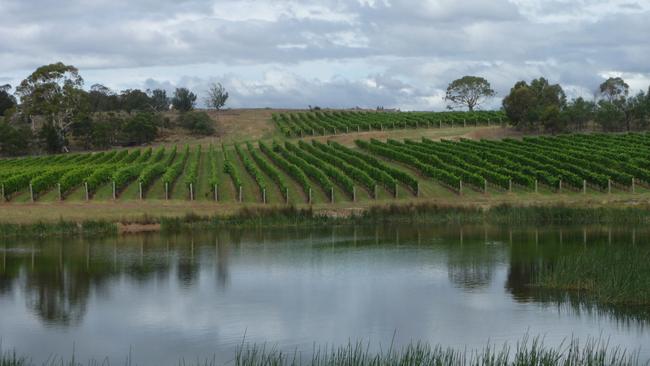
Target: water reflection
62	281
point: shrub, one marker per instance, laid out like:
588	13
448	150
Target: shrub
198	123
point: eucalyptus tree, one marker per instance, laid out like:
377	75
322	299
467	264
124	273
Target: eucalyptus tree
468	91
53	92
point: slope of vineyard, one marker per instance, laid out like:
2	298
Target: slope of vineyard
315	123
382	170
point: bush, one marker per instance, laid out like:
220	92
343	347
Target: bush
140	129
198	123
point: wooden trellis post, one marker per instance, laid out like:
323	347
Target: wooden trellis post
309	198
354	194
216	193
286	196
536	187
114	192
59	188
460	187
2	191
584	186
31	192
264	195
241	194
166	190
417	190
332	195
374	193
140	188
87	193
633	185
510	186
191	192
609	186
396	188
485	186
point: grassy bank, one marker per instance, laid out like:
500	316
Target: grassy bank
603	275
526	352
259	216
60	228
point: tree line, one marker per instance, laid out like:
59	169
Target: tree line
543	107
50	111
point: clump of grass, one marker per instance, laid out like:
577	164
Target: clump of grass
606	275
593	352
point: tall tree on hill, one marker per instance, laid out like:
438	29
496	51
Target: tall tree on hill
614	89
217	96
7	101
102	99
183	100
135	100
468	91
534	105
617	110
159	100
54	92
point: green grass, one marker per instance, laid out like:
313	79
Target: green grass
61	228
612	275
592	352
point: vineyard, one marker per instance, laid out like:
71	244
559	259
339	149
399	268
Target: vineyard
315	123
285	172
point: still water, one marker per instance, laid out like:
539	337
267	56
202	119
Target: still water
200	294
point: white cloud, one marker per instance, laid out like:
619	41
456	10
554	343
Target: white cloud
331	52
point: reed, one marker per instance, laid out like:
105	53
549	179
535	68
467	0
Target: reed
255	216
605	275
593	352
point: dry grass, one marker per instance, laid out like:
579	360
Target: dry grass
129	211
232	125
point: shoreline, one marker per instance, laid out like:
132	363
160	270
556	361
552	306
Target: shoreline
38	220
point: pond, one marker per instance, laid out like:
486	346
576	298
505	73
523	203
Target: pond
163	297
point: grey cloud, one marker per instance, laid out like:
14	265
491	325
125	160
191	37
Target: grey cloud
418	47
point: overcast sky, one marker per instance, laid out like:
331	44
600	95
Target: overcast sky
330	53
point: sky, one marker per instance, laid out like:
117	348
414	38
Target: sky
329	53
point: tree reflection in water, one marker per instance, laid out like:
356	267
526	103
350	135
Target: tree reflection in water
59	276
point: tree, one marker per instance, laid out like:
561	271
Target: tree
159	100
135	100
183	100
527	106
617	111
553	120
614	89
579	112
217	96
106	130
102	99
198	123
54	92
14	141
7	101
609	116
52	139
140	129
469	91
